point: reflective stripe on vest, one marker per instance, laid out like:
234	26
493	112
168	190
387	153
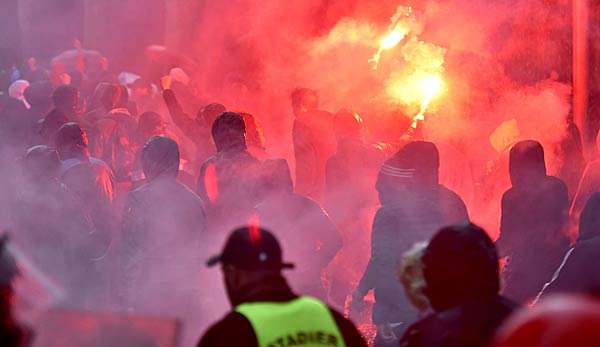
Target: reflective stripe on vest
301	322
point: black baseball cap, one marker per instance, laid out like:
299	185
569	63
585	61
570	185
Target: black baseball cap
251	248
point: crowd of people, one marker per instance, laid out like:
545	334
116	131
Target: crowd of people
117	189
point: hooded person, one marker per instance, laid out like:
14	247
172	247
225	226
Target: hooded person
59	239
314	142
534	215
163	225
413	207
462	284
229	180
578	273
302	223
117	134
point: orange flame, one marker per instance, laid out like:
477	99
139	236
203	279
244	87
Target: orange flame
400	27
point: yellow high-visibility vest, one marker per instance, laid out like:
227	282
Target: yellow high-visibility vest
301	322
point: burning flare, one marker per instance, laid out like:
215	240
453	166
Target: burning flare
401	25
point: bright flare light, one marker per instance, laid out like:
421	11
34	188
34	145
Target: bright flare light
418	89
389	41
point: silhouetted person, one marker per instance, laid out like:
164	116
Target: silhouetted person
163	225
117	134
413	207
51	225
579	272
228	181
314	143
197	129
67	108
89	178
461	271
266	312
534	214
302	223
350	199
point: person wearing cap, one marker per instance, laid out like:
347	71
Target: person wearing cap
414	205
266	312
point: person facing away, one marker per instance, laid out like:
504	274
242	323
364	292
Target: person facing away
302	223
314	143
89	178
413	207
51	225
578	273
228	181
117	134
67	108
534	214
163	223
350	200
462	284
266	312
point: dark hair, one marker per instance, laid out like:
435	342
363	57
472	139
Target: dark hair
160	157
460	264
114	96
229	130
70	134
526	162
65	97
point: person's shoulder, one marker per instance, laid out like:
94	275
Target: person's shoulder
417	334
233	330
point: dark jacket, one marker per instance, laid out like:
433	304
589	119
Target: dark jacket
163	225
228	185
235	329
534	214
579	272
414	207
470	325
